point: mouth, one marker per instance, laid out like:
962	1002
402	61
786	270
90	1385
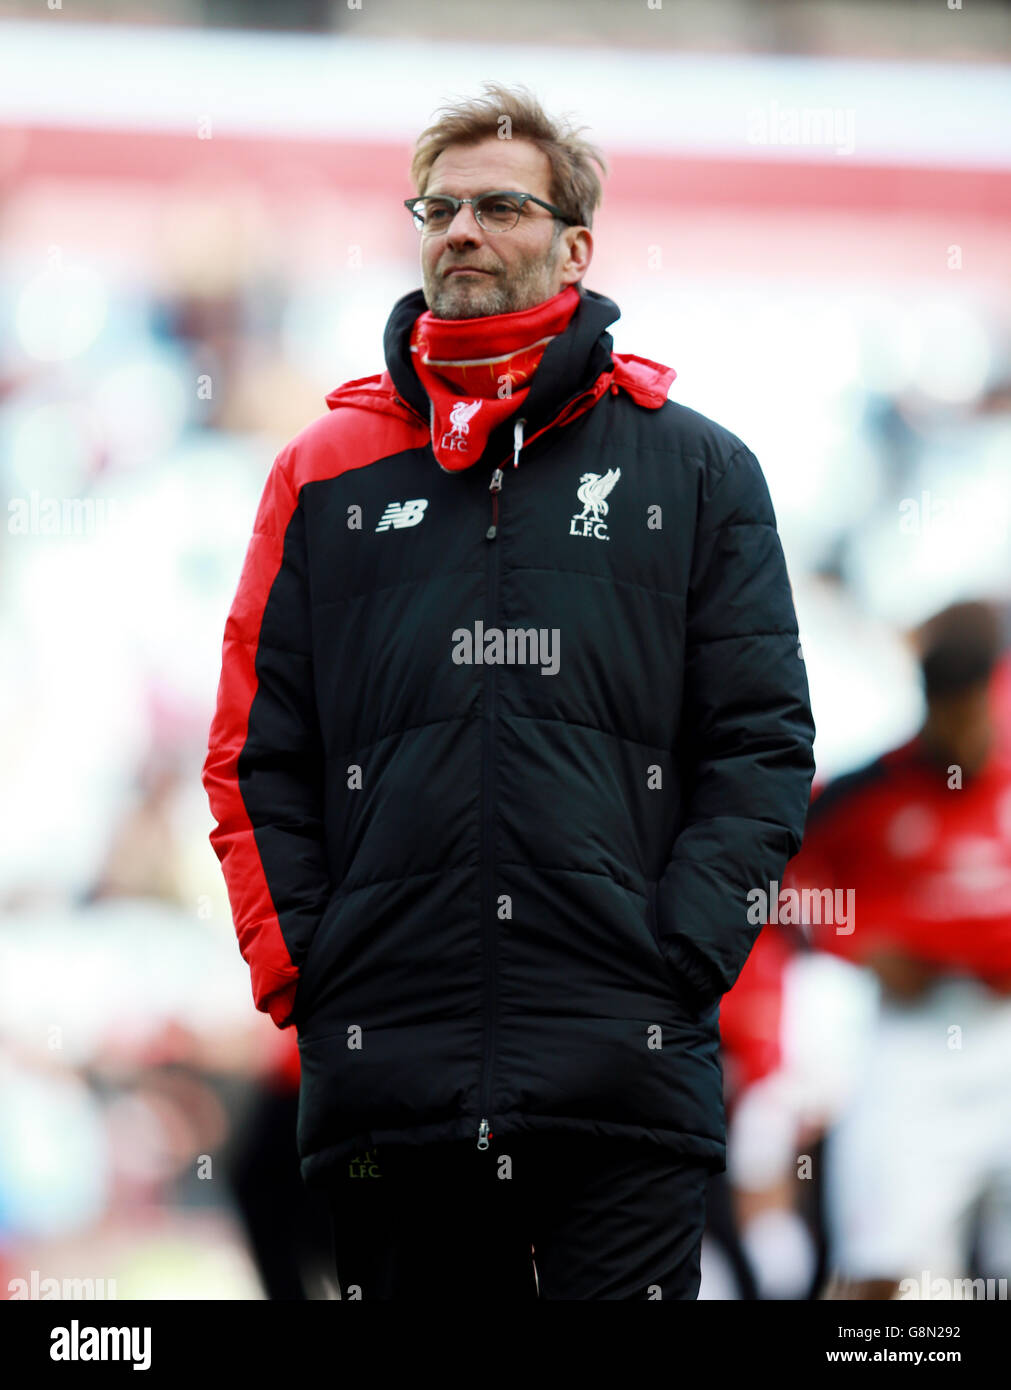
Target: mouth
466	270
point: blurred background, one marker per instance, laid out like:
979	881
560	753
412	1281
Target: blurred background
808	216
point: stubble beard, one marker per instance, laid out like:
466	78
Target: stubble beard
464	297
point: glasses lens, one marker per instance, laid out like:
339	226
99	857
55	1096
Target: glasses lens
497	213
432	214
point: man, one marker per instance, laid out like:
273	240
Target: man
512	716
919	839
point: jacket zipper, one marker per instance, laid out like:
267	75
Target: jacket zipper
491	943
484	1132
487	828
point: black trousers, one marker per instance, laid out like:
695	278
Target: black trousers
535	1216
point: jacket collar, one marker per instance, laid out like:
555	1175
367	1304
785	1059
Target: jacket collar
646	382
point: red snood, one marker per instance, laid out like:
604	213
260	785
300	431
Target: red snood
477	372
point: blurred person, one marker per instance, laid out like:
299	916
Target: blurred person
499	886
920	837
749	1019
762	1219
1000	692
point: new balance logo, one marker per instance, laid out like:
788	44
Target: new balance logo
398	514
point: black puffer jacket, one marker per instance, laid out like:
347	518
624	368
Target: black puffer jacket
489	803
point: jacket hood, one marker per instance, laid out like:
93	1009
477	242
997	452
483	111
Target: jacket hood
578	362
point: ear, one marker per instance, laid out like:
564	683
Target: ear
575	264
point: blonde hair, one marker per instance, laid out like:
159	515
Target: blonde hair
575	187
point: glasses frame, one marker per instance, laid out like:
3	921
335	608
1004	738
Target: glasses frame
457	204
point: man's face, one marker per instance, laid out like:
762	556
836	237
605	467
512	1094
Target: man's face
522	267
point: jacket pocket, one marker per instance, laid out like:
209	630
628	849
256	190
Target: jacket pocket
306	974
681	989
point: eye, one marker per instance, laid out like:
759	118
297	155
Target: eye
498	213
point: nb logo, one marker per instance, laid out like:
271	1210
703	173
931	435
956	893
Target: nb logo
398	514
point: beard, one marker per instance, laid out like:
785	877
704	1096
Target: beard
462	297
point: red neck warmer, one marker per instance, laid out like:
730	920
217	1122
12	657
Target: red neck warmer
464	365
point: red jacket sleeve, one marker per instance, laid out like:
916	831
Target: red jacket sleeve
263	770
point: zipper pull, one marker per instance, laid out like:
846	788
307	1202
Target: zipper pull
483	1135
494	487
517	441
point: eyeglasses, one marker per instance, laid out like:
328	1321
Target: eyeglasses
494	212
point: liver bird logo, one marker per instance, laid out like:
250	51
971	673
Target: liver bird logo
592	492
460	416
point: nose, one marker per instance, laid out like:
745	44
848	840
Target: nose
464	227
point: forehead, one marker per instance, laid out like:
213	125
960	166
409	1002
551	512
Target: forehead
492	163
